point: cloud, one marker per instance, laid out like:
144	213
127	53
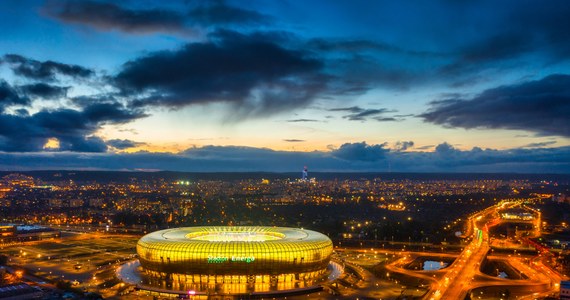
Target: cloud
362	114
449	159
45	71
123	144
386	119
546	25
362	46
219	13
360	152
514	34
251	72
44	90
521	34
426	147
294	140
114	113
539	145
403	146
235	158
499	48
540	106
109	16
10	96
302	120
445	149
73	129
352	109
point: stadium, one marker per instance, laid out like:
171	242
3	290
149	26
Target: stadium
234	260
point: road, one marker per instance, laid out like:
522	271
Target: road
463	275
457	281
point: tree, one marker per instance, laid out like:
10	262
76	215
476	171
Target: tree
3	260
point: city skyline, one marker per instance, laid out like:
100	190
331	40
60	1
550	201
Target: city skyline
429	236
274	86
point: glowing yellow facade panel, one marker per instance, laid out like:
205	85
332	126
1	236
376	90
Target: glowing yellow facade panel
234	251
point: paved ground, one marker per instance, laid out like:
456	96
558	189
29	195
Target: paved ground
87	260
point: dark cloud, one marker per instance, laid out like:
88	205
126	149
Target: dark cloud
218	13
487	53
546	25
10	96
403	146
83	144
513	34
361	45
208	158
73	129
302	120
361	65
362	114
253	73
114	113
449	159
321	44
445	149
84	101
46	70
232	158
352	109
523	33
539	144
540	106
426	147
386	119
44	90
360	152
123	144
109	16
21	112
495	48
294	140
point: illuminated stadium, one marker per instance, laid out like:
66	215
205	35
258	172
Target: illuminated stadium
234	260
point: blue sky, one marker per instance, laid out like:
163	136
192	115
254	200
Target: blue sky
438	86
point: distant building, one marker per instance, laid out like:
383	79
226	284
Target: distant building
565	290
305	175
19	291
56	202
66	202
24	233
98	202
561	198
4	202
7	230
517	214
76	202
17	180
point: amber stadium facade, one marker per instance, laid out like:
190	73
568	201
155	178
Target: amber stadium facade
236	259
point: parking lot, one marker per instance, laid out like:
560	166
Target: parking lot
80	258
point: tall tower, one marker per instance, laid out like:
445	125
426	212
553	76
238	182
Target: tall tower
305	174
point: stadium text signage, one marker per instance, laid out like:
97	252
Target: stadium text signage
224	259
